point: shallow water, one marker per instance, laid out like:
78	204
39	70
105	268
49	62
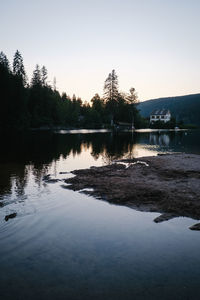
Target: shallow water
66	245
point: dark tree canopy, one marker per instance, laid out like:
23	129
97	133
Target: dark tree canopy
39	105
97	103
4	61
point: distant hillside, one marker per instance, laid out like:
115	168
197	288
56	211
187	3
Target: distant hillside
185	108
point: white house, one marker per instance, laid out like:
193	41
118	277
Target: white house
163	115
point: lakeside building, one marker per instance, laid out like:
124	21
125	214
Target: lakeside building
163	115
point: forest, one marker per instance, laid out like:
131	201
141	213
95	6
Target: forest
28	104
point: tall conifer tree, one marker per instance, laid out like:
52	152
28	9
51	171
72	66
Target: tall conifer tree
111	87
18	67
111	94
44	76
36	79
4	61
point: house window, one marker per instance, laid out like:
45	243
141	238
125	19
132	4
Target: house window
162	117
157	117
153	117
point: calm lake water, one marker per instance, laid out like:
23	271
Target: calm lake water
66	245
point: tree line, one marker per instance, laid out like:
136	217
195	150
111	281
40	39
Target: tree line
37	104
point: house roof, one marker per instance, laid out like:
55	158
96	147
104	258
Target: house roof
160	112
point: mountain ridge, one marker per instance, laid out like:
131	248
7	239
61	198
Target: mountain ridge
184	108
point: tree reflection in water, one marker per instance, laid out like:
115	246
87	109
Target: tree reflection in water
35	152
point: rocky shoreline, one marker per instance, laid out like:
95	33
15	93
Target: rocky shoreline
169	184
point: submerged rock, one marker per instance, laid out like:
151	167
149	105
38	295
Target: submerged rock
1	204
52	180
11	216
195	227
64	172
46	177
164	217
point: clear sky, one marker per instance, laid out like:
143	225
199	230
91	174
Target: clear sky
154	45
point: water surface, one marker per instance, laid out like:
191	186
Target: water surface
66	245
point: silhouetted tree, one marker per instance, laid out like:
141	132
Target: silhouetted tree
98	106
97	103
111	93
18	67
44	75
4	61
36	79
132	98
111	87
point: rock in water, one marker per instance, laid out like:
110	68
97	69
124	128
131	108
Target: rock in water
11	216
195	227
164	217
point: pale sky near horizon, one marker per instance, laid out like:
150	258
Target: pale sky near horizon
154	45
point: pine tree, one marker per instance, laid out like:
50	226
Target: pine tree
36	79
111	94
18	67
44	76
132	98
4	61
111	87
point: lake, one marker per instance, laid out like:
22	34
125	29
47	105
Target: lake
67	245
